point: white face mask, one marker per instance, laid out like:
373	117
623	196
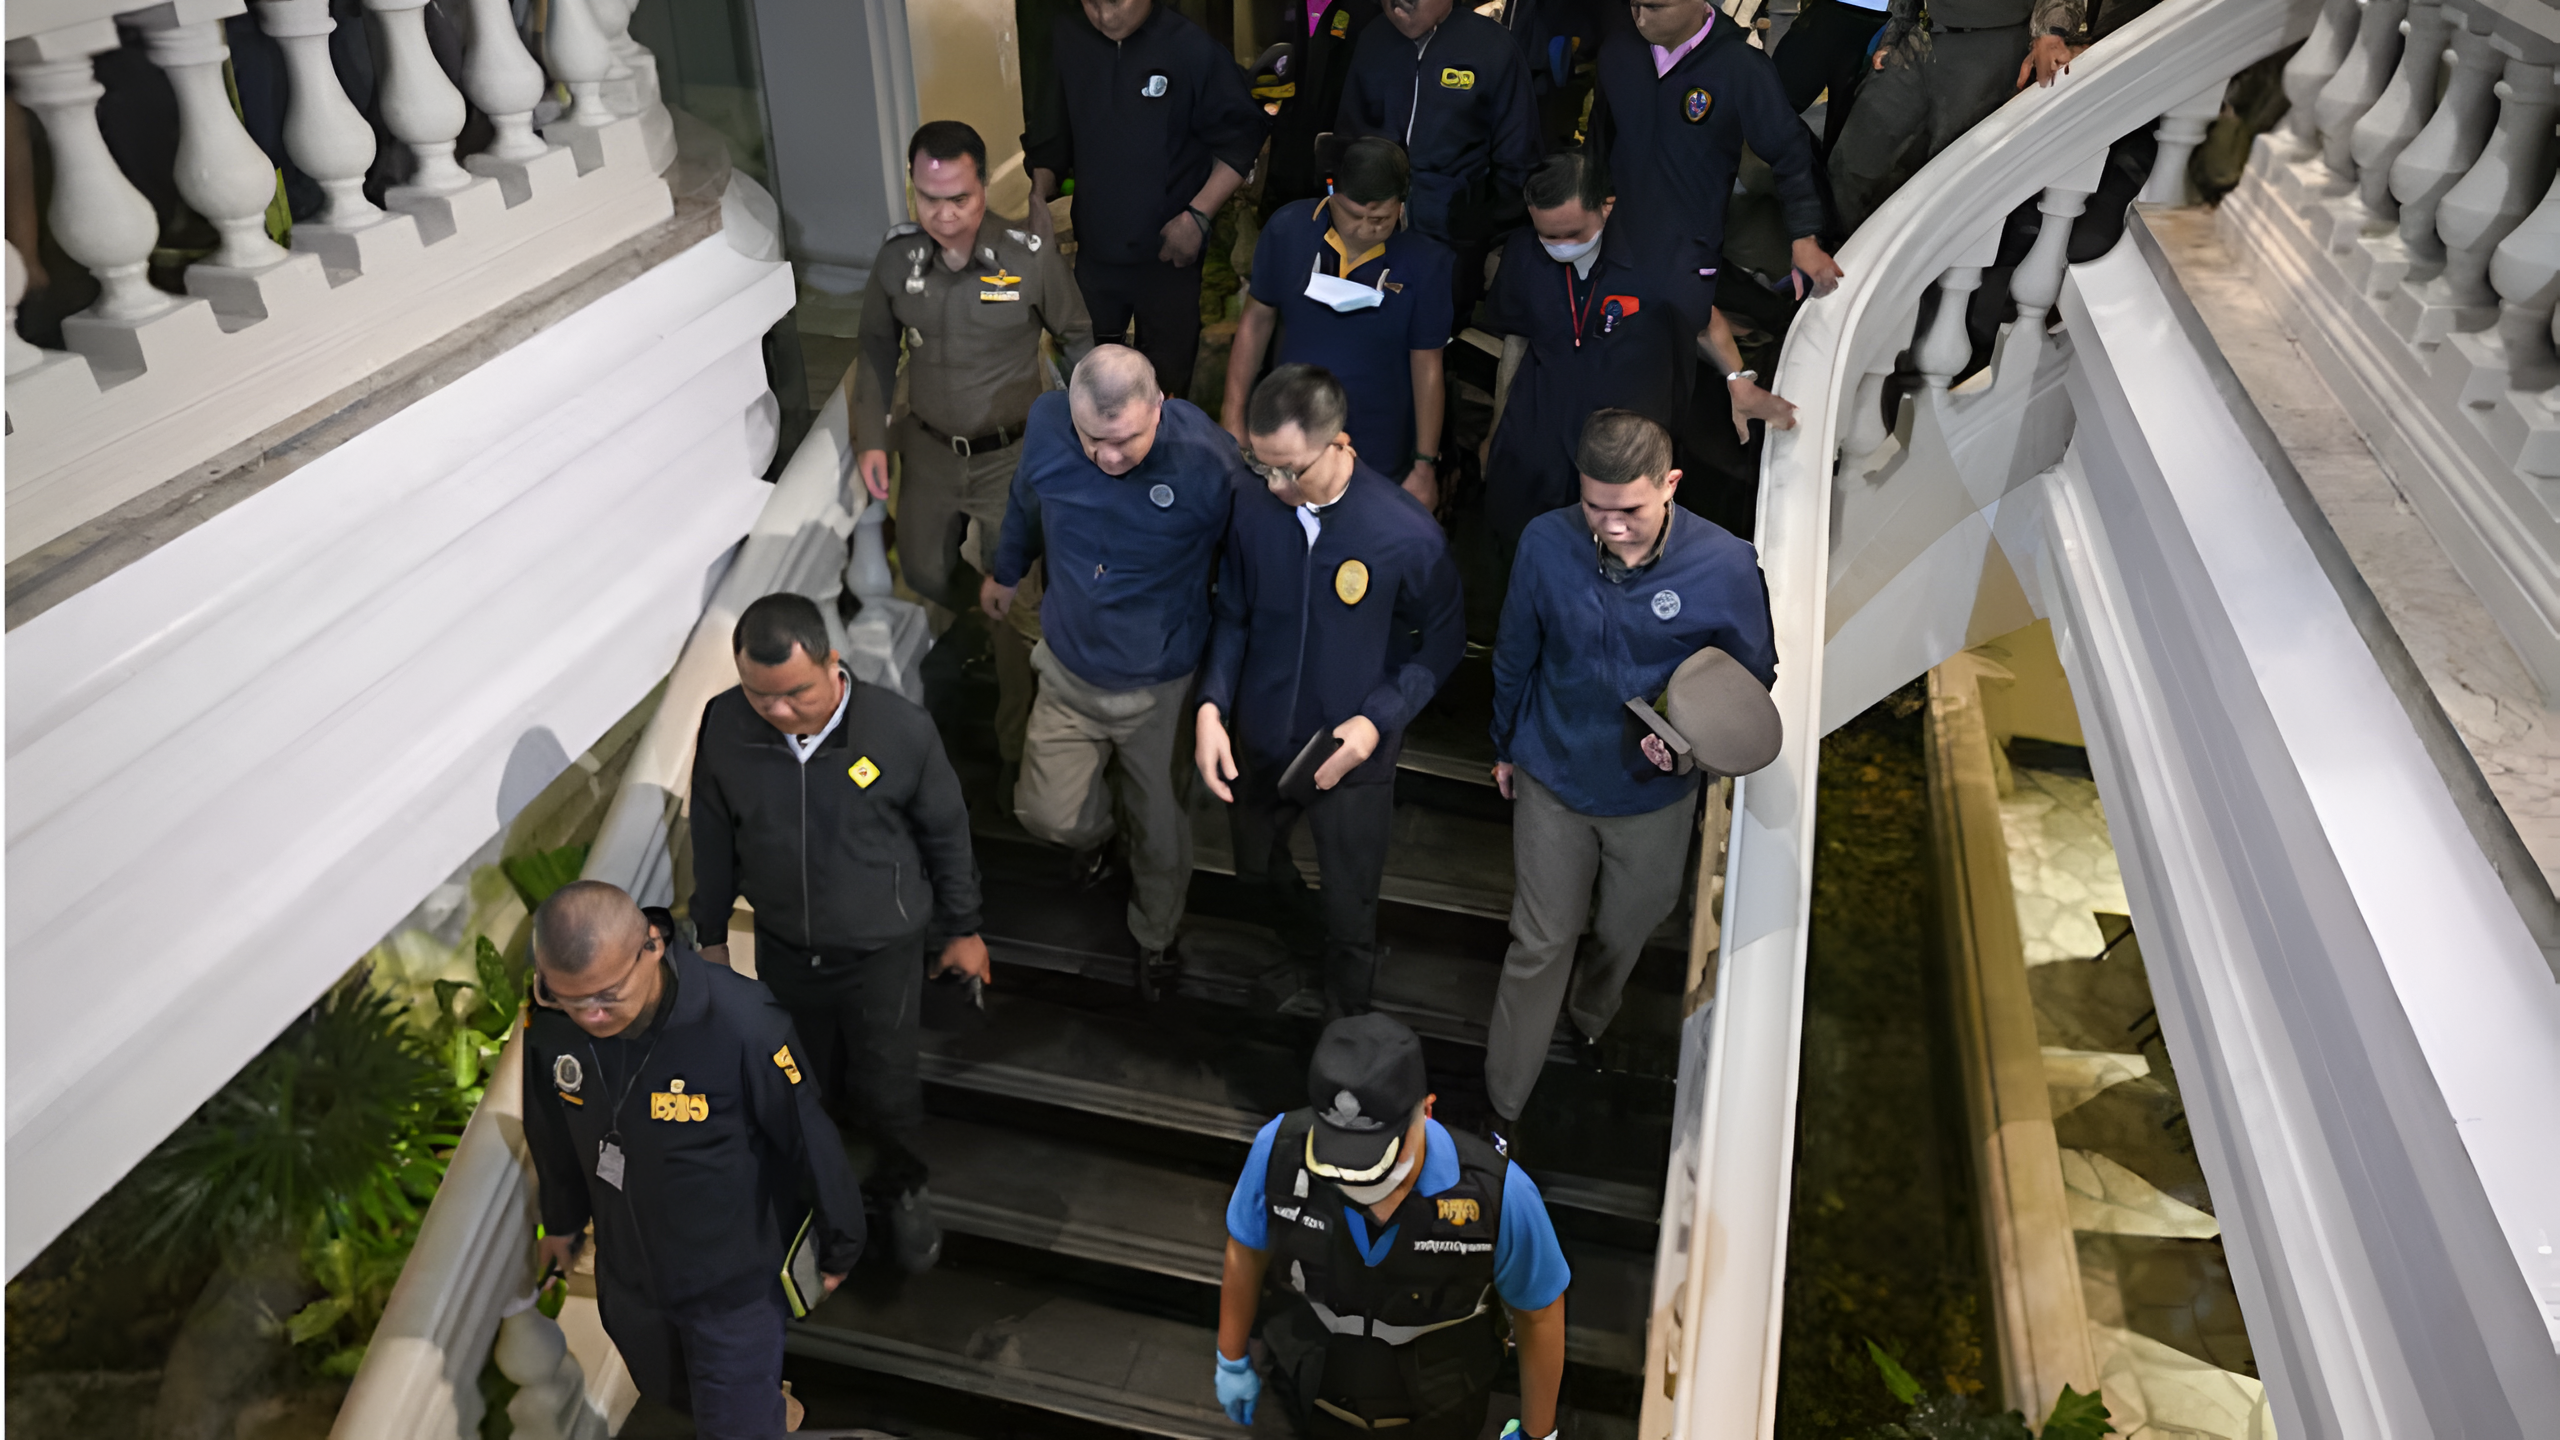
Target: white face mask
1386	1185
1567	254
1343	295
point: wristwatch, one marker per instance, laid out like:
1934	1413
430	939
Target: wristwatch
1430	460
1198	219
1732	376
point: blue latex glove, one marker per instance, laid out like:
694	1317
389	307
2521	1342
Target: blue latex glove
1238	1388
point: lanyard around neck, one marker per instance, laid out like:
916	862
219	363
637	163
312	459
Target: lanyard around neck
1583	314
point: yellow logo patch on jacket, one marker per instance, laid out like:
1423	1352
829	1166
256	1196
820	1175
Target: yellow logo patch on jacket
1351	582
1461	1212
864	772
1456	79
677	1106
790	1067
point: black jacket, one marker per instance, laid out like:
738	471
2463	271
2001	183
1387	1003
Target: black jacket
723	1144
1324	60
866	843
1137	125
1458	100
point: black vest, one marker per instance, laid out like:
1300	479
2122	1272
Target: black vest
1408	1338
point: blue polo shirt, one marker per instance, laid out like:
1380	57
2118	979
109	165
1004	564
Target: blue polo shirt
1130	556
1369	351
1529	1270
1364	617
1575	646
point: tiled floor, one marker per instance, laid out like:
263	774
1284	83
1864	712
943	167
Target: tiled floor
2064	867
2476	677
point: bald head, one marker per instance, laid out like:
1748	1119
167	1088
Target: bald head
1109	379
583	922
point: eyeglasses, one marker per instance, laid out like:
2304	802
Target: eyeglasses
604	999
1282	474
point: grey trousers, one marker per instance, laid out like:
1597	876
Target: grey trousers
1087	746
1616	876
939	493
1930	92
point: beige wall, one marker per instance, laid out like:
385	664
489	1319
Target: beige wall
2036	700
969	67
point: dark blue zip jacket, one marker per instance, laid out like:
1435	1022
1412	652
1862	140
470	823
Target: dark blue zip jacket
1576	646
1304	640
1460	106
1130	556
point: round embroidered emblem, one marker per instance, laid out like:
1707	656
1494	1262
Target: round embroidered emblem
1694	105
1351	581
1162	495
1666	603
566	1074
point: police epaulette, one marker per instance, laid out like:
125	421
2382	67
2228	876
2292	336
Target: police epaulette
901	231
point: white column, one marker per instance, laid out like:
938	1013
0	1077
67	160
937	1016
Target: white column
419	105
97	216
2445	148
505	81
2357	85
2501	186
1945	349
2332	35
22	355
323	131
2525	271
221	171
2395	119
2037	282
575	47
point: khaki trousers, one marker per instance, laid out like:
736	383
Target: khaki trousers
1087	747
940	492
1615	875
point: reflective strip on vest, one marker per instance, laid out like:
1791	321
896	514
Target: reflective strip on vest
1358	1326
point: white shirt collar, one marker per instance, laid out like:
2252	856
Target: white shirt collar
805	746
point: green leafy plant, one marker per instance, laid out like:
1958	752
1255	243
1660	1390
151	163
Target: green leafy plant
473	1017
1958	1417
537	875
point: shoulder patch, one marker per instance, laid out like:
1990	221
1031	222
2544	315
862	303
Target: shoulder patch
1025	239
789	1067
901	231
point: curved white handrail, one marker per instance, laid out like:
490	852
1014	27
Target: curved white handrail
1721	1273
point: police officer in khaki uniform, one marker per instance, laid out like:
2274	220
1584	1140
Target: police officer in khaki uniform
969	293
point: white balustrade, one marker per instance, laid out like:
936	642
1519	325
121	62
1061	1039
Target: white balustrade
2308	72
97	215
581	58
505	81
2181	129
22	355
323	131
2395	118
621	82
419	105
550	1401
2435	161
2525	272
1865	429
221	171
1946	347
2492	197
2359	82
2038	280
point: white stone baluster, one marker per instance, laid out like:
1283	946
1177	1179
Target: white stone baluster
533	1353
621	82
2526	274
2332	35
98	217
2182	128
220	171
2357	85
2446	147
575	48
2037	282
505	81
425	112
323	131
1947	347
2395	119
23	356
1865	429
2490	200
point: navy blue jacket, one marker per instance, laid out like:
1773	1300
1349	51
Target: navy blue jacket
1575	646
1130	556
1137	125
1304	640
1637	355
1458	101
1672	144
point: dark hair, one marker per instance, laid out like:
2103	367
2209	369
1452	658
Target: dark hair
1619	446
948	140
572	928
1567	175
1306	396
779	623
661	919
1373	168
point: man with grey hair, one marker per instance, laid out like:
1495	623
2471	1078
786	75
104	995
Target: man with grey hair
1124	493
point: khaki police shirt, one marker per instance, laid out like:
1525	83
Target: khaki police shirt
972	335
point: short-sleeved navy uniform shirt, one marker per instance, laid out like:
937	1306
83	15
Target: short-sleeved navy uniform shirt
1369	351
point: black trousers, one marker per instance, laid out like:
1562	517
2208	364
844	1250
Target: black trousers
856	1011
1164	301
720	1364
1351	824
1826	49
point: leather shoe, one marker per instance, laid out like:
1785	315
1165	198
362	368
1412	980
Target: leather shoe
1087	869
1158	973
915	1240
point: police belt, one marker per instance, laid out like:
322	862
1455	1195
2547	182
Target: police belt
1358	1326
964	447
1936	29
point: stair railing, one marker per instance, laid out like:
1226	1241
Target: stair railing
1721	1266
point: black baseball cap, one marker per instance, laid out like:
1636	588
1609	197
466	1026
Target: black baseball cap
1365	1082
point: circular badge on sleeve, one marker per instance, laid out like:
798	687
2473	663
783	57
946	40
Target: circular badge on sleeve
1162	495
567	1074
1666	604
